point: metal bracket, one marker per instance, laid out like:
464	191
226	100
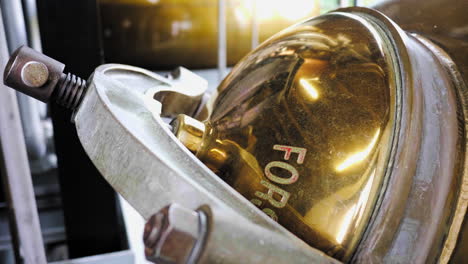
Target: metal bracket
120	127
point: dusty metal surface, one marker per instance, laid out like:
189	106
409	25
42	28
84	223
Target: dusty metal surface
120	128
414	167
444	27
34	74
303	127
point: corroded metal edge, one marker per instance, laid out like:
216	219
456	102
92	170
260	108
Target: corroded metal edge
462	202
391	218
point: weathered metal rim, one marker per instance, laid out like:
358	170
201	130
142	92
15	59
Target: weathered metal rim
398	38
462	201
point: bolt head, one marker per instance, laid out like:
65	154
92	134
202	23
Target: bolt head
34	74
153	229
176	236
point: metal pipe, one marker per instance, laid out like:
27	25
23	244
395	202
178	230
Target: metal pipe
34	40
33	130
15	29
17	181
32	24
222	57
255	34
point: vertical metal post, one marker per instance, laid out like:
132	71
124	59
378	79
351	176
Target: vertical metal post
25	227
222	53
32	22
255	34
15	29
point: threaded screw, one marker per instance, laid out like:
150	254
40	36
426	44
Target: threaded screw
70	91
42	77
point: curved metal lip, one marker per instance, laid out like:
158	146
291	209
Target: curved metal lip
187	181
398	38
155	109
462	201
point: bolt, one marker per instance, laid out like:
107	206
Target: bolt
34	74
174	235
189	131
152	232
42	77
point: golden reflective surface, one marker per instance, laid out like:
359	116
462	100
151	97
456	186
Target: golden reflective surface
302	128
171	33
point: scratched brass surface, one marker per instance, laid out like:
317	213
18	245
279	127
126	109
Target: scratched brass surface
351	133
302	127
171	33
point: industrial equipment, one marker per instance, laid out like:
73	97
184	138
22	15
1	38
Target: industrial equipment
339	139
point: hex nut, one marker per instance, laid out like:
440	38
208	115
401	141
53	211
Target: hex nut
171	234
152	232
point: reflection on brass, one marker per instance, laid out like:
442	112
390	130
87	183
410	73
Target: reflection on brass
351	134
189	131
170	33
305	125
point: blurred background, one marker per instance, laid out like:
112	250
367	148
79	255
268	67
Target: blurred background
81	218
161	34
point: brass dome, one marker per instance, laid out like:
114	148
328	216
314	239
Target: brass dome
349	132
